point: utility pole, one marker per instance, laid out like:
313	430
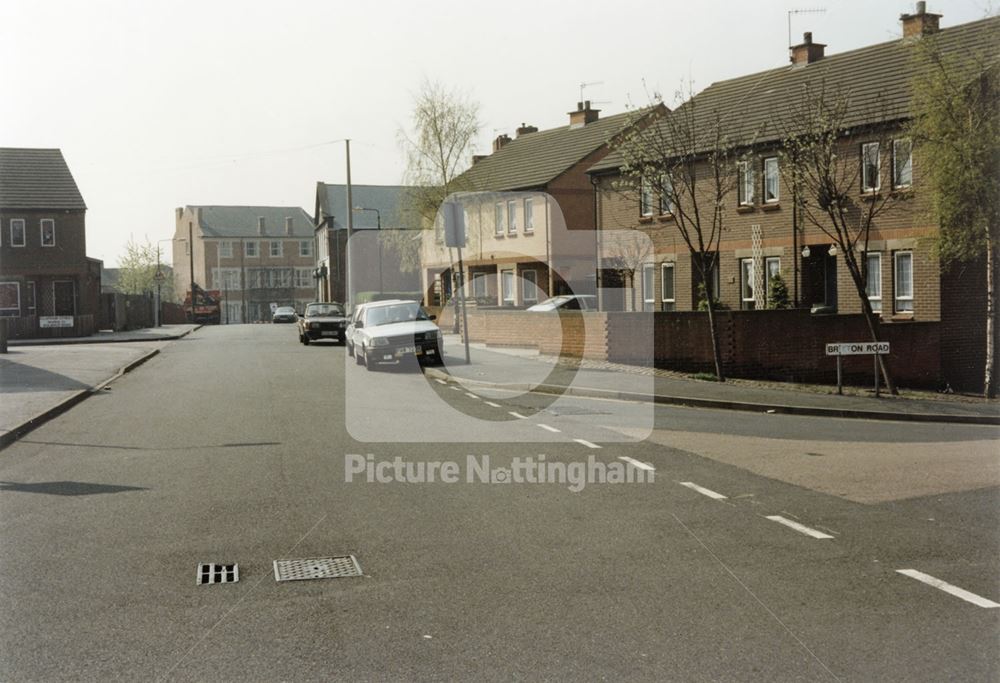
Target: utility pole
191	263
350	228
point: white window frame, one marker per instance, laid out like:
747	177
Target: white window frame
746	283
772	181
873	287
251	245
529	288
225	249
507	278
12	312
645	198
32	307
478	290
280	249
529	215
666	194
512	217
866	155
902	303
305	248
41	231
907	167
768	275
746	183
664	279
498	219
24	232
648	287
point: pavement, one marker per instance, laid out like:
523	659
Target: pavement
520	369
40	379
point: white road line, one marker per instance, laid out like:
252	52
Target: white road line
586	443
471	395
491	404
801	528
703	491
948	588
454	388
440	381
519	416
633	461
551	429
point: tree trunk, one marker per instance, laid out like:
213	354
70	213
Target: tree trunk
866	309
716	354
989	377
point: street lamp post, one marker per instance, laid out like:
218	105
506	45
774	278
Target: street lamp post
378	220
159	278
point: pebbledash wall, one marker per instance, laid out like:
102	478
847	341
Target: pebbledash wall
787	345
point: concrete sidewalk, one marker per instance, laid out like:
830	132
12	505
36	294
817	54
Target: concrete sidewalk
40	381
523	369
162	333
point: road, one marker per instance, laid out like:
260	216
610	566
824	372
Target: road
230	446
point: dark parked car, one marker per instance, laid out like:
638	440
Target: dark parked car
284	314
322	320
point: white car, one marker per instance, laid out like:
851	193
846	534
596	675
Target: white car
390	331
567	302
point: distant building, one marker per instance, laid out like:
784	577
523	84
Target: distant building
255	256
47	283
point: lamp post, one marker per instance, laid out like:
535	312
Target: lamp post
378	220
159	278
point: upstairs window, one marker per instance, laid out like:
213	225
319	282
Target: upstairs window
48	227
498	218
276	249
250	248
771	180
902	163
529	215
305	248
512	217
645	198
870	167
666	195
225	249
745	183
17	232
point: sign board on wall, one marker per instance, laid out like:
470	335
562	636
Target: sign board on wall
858	349
55	321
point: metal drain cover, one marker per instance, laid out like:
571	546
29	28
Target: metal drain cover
211	572
317	568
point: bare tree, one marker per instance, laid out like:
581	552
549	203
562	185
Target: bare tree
684	164
623	253
842	187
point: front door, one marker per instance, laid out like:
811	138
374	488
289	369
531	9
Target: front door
64	297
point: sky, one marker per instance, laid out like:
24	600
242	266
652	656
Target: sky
157	105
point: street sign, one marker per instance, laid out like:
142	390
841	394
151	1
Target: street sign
454	224
159	277
55	321
858	349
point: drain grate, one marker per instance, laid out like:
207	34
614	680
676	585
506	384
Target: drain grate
316	568
210	572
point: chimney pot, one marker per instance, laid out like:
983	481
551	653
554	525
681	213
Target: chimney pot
500	141
583	115
807	38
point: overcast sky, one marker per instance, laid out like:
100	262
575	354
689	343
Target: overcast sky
158	105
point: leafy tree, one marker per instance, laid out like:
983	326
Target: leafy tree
137	271
956	120
777	293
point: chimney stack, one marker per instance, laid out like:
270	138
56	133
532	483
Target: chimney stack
500	142
920	23
583	115
288	225
525	129
260	225
476	158
807	51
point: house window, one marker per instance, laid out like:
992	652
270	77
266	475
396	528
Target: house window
745	181
772	268
225	249
648	287
303	278
902	163
667	287
873	285
10	299
529	215
250	248
529	286
507	285
17	232
870	167
904	281
276	249
666	194
771	179
305	248
511	217
645	198
48	227
226	279
478	286
30	295
498	215
746	283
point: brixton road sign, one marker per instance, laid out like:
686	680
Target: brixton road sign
858	349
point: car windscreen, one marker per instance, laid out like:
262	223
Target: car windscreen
396	313
326	309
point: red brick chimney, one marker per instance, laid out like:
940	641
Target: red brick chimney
583	115
807	51
500	141
525	129
920	23
476	158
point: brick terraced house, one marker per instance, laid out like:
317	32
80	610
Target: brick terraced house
48	286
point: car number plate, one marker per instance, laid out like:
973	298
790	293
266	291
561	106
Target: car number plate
329	333
403	350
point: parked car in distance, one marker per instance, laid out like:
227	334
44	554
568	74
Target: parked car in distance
284	314
322	320
390	331
567	302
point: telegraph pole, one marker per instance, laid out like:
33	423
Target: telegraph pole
191	263
350	228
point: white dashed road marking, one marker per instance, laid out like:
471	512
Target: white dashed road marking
471	395
519	416
586	443
948	588
703	491
454	388
636	463
551	429
440	381
801	528
491	404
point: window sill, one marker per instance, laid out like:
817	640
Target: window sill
746	208
645	219
871	195
511	234
529	233
902	317
902	192
773	206
666	218
498	235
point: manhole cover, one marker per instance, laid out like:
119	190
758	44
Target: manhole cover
316	568
210	572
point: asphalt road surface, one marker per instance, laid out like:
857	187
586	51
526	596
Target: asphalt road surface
766	547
